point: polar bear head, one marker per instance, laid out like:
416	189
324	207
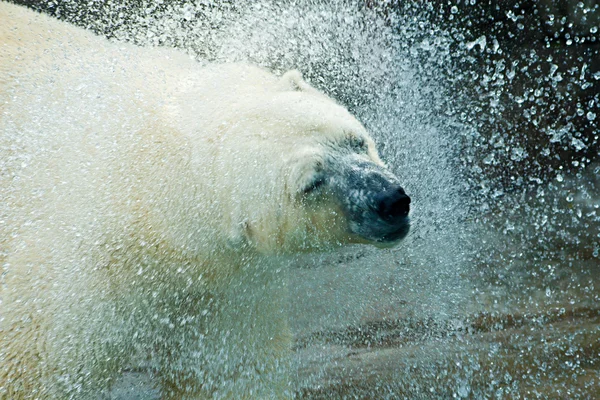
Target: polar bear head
302	173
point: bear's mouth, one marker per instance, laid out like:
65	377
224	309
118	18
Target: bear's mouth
398	234
380	234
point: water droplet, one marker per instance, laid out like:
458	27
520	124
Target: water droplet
570	198
578	144
489	159
480	41
511	15
518	154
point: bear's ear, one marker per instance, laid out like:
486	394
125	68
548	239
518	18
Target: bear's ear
292	80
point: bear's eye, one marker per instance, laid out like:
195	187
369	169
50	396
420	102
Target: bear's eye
314	186
358	144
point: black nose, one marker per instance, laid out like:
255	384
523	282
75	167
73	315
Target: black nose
393	204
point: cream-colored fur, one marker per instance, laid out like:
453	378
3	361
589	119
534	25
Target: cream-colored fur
145	204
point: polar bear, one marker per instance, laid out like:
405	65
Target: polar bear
148	204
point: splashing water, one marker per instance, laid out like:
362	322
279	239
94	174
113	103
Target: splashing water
493	293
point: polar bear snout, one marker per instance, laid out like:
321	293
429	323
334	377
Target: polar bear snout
388	222
393	205
375	204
